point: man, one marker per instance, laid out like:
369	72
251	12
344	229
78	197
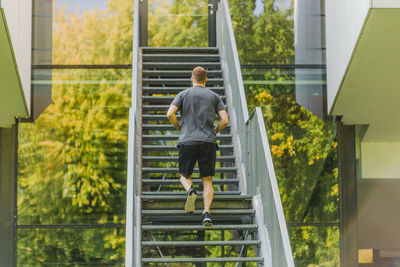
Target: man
197	140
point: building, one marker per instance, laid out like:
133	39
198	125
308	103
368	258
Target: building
15	102
362	40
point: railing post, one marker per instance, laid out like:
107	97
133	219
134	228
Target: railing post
143	21
212	23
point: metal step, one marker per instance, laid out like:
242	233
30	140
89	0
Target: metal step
199	212
163	117
174	137
176	200
165	99
193	260
177	193
165	127
174	148
199	227
180	58
148	50
200	243
184	82
177	182
176	89
175	159
181	198
178	73
195	170
160	107
181	66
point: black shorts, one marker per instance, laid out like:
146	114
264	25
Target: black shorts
205	153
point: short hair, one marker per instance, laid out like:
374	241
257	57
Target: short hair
199	74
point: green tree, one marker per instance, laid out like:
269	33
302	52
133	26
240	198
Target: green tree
303	146
72	160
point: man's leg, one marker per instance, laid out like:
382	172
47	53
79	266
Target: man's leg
186	182
187	160
208	193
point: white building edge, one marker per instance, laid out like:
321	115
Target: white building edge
15	60
363	88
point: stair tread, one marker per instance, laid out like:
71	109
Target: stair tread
176	169
200	227
177	71
178	55
180	87
176	181
199	212
178	79
175	158
165	49
164	148
201	243
182	197
149	97
176	136
177	193
158	107
225	259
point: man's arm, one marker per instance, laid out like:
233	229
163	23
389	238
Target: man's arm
223	121
171	114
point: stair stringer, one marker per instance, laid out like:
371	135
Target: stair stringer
241	172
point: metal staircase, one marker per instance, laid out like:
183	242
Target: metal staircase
168	234
249	227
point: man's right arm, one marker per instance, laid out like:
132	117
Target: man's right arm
223	120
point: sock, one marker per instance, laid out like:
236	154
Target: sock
192	191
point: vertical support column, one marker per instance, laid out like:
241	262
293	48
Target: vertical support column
42	51
348	195
143	21
8	166
212	23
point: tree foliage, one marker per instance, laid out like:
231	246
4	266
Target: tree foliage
303	146
72	159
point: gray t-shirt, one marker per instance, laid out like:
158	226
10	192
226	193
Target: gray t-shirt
198	107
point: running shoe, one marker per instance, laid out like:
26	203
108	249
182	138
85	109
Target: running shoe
190	201
206	219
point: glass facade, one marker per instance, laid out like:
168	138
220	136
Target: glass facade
278	62
178	23
72	158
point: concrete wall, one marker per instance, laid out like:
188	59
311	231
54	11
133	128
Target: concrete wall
344	21
7	190
19	19
378	213
380	160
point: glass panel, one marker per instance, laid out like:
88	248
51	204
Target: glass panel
72	159
71	247
178	23
92	32
315	246
303	146
264	31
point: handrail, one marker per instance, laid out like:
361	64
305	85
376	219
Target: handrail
267	201
254	153
133	223
135	55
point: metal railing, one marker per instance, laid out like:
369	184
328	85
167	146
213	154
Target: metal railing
133	204
254	152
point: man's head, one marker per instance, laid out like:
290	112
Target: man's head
199	76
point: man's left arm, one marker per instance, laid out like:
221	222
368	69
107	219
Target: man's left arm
171	114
